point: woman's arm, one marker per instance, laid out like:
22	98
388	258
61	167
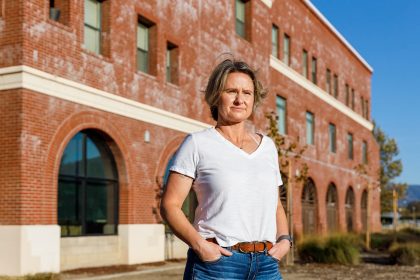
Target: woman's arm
281	248
177	190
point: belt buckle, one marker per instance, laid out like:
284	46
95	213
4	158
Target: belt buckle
240	249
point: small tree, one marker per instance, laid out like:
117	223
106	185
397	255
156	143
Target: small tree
390	169
287	150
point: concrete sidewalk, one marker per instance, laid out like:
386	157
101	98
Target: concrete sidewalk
162	271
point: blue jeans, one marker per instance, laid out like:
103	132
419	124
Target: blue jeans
239	266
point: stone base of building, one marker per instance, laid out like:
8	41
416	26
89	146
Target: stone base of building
134	244
175	248
39	249
29	249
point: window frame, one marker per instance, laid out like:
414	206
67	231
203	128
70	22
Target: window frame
83	182
335	86
332	137
310	123
284	117
350	146
365	158
95	29
275	50
305	64
314	70
328	81
172	56
246	21
287	42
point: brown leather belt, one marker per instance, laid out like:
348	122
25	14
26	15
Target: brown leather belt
248	247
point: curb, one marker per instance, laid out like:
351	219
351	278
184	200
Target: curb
132	273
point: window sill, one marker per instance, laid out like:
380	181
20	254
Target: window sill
175	86
96	55
60	25
243	39
147	75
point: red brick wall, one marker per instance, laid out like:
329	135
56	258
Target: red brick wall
202	30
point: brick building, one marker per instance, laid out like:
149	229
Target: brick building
95	97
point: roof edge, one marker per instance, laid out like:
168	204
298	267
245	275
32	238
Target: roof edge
338	34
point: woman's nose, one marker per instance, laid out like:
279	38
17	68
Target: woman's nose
239	98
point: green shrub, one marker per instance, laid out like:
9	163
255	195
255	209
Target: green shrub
311	250
339	249
380	241
405	254
342	249
383	241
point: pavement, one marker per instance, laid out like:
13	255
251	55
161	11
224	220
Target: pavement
161	271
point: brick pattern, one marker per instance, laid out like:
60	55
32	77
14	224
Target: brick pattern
36	128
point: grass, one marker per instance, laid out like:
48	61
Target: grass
384	240
406	253
335	249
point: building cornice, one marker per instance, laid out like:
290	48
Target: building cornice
338	34
268	3
318	92
26	77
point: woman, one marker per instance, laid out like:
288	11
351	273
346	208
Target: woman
240	229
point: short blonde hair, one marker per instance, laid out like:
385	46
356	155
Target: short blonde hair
217	82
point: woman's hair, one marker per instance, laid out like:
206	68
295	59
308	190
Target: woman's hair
217	82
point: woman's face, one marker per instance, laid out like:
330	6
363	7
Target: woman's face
237	99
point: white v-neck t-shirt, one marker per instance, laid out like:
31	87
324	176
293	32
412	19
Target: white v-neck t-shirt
237	192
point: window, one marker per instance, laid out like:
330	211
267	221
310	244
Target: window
281	113
305	63
328	81
241	18
309	128
352	98
286	49
146	46
87	187
362	103
332	138
313	70
92	23
172	63
335	86
366	109
59	10
350	145
347	95
275	41
142	47
364	153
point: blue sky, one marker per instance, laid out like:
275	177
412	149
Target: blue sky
387	35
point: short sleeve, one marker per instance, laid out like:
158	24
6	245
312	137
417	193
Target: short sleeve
186	158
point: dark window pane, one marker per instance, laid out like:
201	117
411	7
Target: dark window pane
142	60
100	216
68	206
71	162
98	160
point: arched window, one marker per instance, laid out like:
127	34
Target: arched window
87	187
332	208
350	209
309	205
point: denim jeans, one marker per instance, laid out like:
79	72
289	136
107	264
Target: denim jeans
239	266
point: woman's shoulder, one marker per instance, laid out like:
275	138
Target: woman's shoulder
201	134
